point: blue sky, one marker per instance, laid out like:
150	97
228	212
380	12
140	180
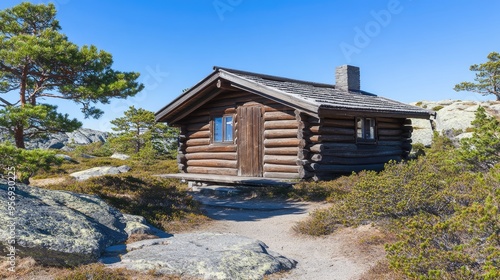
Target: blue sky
408	50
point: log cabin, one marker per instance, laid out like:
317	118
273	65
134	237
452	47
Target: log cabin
237	124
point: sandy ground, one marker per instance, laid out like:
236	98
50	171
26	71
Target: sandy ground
337	256
46	182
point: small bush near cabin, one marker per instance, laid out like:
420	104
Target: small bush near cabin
444	212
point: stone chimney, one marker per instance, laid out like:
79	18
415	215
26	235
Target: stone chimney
347	78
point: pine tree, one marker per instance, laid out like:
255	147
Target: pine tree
482	150
39	62
137	132
487	77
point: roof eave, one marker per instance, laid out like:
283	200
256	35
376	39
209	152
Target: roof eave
170	112
330	110
164	114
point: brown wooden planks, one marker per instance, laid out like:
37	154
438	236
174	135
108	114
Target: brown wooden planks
211	170
213	163
250	141
287	124
280	133
211	148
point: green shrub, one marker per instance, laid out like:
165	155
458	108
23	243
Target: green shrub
98	149
445	215
482	150
26	162
437	108
323	190
417	149
463	245
401	190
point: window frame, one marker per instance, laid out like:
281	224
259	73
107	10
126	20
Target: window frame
224	134
372	125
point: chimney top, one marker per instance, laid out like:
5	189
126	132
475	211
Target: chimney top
347	78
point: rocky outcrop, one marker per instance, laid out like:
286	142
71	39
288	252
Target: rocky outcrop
204	255
99	171
453	118
65	157
139	225
57	227
120	156
61	140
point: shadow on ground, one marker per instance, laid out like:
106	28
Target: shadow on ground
244	209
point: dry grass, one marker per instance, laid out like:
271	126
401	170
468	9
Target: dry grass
375	238
138	167
27	269
164	203
139	237
47	181
381	271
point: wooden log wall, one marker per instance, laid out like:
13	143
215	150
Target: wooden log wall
332	146
181	150
201	156
295	145
281	140
407	131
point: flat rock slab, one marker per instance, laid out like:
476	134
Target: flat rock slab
99	171
205	255
139	225
120	156
58	227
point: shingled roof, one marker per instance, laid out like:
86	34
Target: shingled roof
310	97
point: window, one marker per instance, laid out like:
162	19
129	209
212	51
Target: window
365	129
223	129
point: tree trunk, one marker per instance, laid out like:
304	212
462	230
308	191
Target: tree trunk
138	140
19	136
137	146
19	129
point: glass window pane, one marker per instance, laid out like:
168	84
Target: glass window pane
217	129
367	128
359	126
228	129
372	129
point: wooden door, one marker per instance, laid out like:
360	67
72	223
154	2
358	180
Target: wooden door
250	146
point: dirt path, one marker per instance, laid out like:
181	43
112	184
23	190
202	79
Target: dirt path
338	256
